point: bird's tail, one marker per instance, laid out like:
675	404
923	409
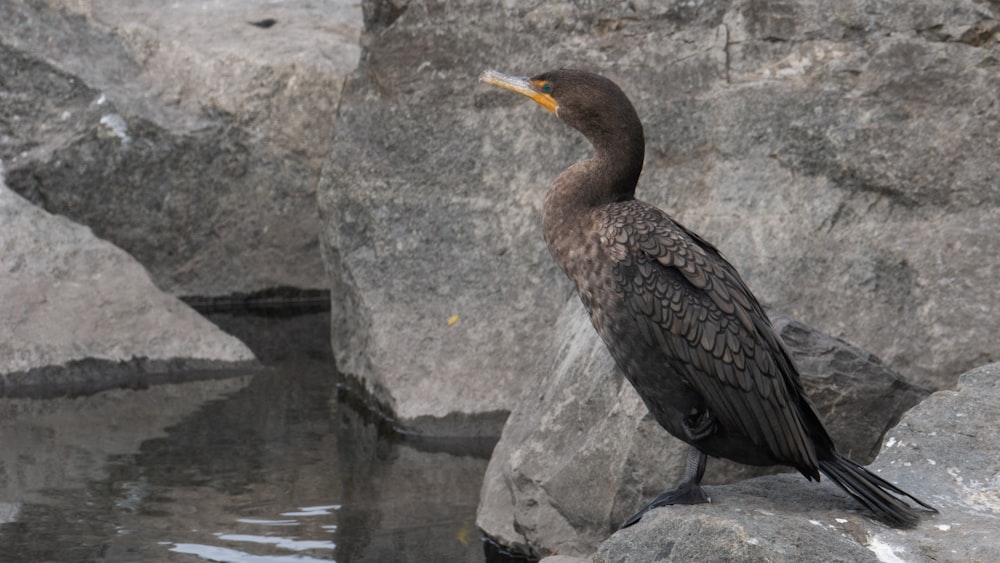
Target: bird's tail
879	495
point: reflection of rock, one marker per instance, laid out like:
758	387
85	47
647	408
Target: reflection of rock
66	295
56	450
397	494
183	134
237	466
237	469
944	450
301	447
580	454
65	443
843	156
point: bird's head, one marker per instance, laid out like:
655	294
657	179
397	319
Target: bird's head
588	102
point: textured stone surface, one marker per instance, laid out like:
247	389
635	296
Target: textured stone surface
842	155
66	295
777	518
562	559
580	453
944	451
179	132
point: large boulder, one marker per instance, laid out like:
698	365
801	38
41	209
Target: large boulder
187	136
67	296
580	453
842	155
944	451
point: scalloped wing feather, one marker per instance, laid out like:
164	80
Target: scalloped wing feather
691	304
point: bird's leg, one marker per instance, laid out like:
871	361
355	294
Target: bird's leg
688	491
699	425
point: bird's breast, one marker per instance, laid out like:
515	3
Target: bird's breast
575	243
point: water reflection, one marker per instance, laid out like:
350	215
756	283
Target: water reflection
276	466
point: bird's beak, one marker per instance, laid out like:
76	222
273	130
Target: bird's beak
520	85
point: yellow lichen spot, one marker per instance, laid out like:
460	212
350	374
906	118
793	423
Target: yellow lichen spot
463	535
452	320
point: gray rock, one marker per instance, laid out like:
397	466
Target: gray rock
843	156
944	450
947	448
185	135
562	559
414	235
776	518
66	295
580	453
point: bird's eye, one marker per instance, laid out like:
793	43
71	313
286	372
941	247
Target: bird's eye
547	87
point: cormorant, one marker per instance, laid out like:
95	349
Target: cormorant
677	317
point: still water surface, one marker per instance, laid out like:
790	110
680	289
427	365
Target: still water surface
280	465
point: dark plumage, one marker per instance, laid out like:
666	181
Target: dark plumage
676	316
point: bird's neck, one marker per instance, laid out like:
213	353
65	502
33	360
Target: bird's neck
610	176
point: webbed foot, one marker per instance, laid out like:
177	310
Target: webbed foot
685	493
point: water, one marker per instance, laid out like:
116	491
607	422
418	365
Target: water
279	465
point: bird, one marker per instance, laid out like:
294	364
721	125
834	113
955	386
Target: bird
677	317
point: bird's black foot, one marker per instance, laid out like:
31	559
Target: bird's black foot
685	493
699	425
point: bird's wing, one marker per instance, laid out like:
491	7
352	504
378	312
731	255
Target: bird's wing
692	304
